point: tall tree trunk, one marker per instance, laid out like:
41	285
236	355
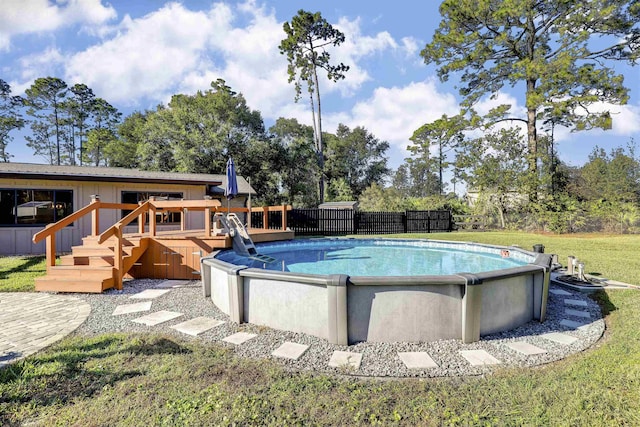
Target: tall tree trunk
440	186
319	146
80	148
532	143
503	222
55	112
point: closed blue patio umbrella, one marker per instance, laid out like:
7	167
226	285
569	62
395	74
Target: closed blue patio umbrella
231	190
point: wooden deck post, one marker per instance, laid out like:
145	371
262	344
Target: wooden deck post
265	218
207	221
141	221
50	244
117	259
284	217
152	216
183	215
207	216
95	215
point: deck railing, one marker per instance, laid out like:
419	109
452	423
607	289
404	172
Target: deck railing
139	212
50	230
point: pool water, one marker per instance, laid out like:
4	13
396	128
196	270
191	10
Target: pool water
372	257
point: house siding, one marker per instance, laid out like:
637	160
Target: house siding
17	240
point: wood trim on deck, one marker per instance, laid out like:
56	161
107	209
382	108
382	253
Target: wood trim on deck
150	253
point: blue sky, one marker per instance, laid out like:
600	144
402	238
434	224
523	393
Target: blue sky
137	53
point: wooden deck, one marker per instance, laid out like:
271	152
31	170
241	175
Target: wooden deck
176	254
104	260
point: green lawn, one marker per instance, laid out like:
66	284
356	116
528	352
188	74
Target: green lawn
17	272
121	379
135	380
615	256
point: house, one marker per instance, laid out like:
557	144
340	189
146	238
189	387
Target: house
351	205
34	195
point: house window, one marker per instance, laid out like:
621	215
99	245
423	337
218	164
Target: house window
20	206
162	217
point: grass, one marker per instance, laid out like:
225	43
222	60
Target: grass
614	256
18	272
121	379
127	379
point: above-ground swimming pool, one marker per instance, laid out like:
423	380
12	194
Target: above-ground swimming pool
387	290
375	257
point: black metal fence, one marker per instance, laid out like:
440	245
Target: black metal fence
334	222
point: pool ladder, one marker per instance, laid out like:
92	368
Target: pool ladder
242	243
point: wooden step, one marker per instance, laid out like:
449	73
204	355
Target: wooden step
136	253
98	261
91	251
84	271
70	260
99	250
68	284
90	267
92	241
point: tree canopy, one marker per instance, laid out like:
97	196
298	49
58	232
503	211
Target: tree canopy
444	134
299	171
45	100
355	160
10	118
546	48
494	166
69	125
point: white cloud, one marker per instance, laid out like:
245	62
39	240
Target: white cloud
625	122
625	118
356	48
174	49
393	114
501	98
45	63
36	16
148	57
411	46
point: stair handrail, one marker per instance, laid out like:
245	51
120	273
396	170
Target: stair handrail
116	230
52	228
137	212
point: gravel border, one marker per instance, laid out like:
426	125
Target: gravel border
378	359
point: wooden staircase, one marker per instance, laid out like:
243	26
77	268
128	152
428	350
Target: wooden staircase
91	267
105	258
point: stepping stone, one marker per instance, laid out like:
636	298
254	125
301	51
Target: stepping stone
172	283
575	302
158	317
417	360
239	338
526	348
577	313
479	357
197	326
573	324
132	308
559	292
559	337
149	294
290	350
346	359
